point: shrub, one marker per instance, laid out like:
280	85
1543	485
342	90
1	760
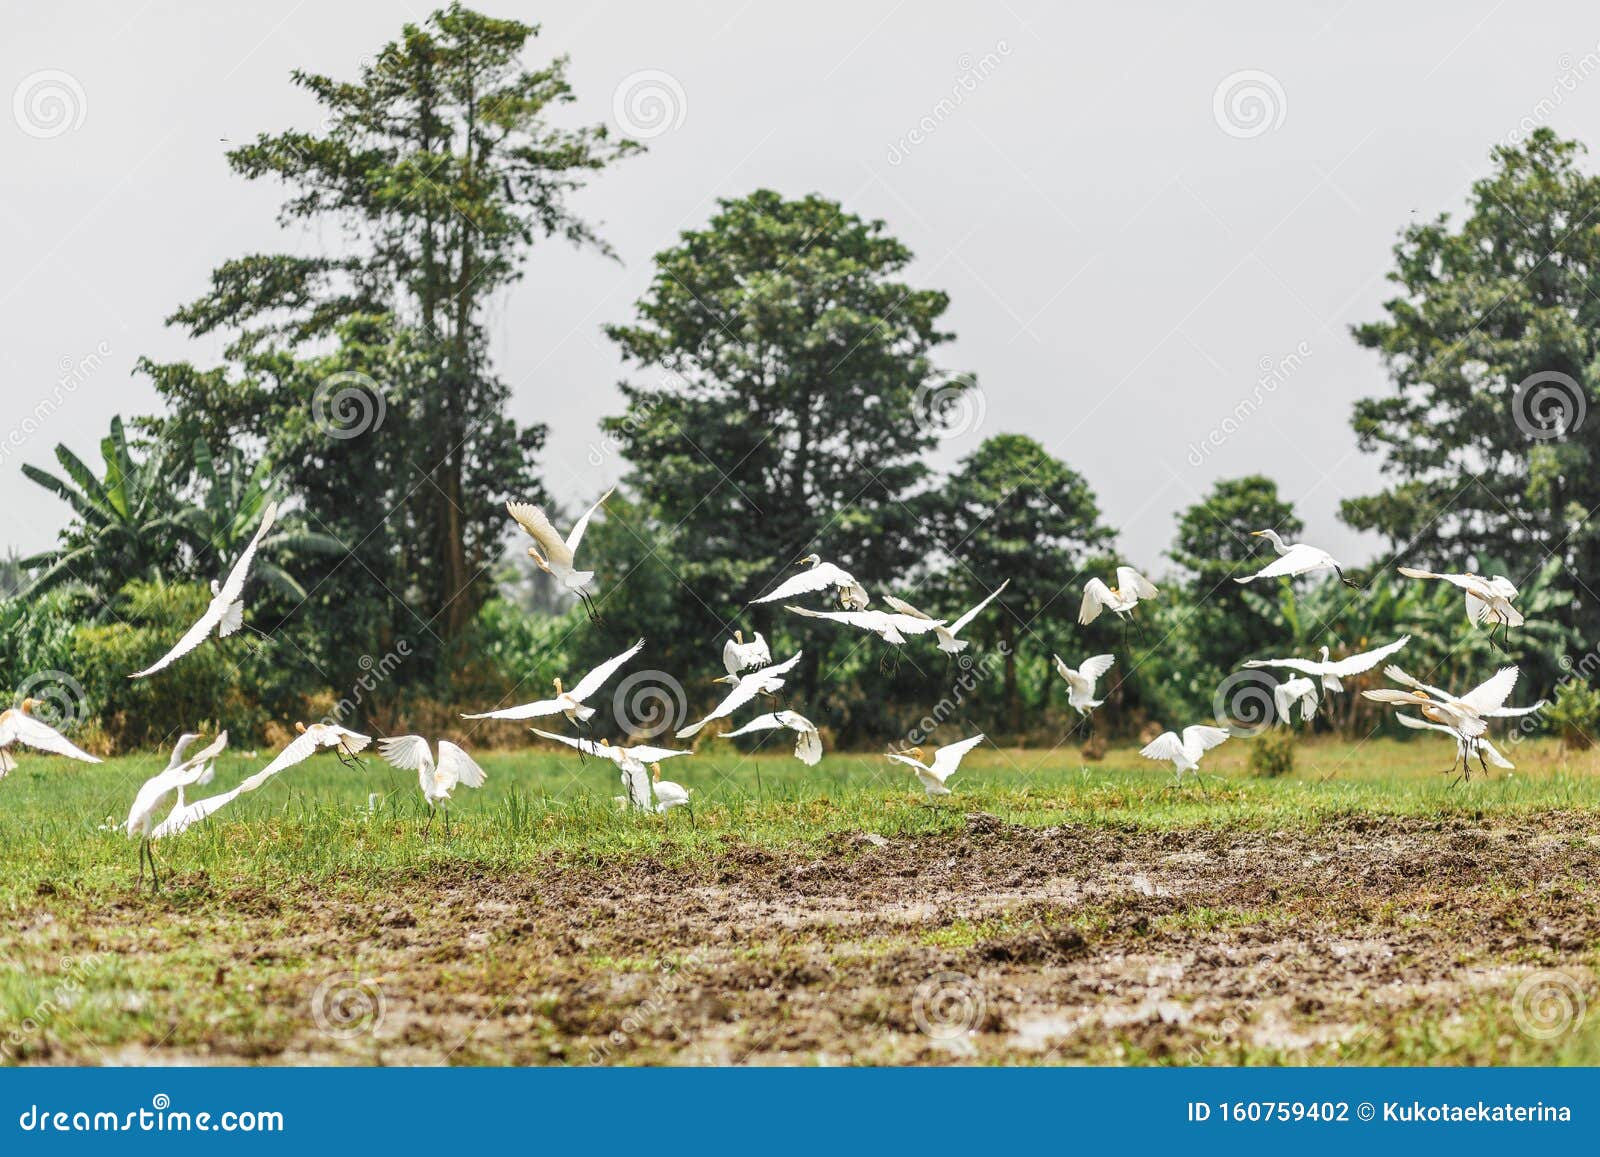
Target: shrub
1574	714
1272	753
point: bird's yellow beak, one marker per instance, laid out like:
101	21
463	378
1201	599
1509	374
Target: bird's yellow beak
1258	534
28	705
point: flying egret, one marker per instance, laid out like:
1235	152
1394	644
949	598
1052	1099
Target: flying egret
1185	753
180	772
184	816
1081	681
225	613
668	794
1467	715
629	760
311	739
1294	558
1301	690
1332	671
891	628
1464	747
763	682
1488	599
568	703
18	725
947	636
1119	600
946	760
822	575
738	655
554	554
437	778
807	744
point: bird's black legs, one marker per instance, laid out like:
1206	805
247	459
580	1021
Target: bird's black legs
1347	582
427	829
589	606
146	852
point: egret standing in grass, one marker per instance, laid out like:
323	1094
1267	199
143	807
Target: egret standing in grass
179	773
949	643
946	761
556	555
820	577
437	778
1295	558
669	795
18	725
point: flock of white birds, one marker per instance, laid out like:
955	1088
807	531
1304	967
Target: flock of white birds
750	673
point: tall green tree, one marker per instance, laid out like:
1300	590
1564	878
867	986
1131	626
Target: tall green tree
1213	546
438	169
1492	342
1012	511
787	407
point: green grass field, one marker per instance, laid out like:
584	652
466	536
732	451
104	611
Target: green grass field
1056	890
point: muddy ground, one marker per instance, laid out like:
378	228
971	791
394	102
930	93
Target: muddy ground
1374	940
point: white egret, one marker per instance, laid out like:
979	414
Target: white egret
763	682
1467	715
1081	680
1295	558
949	643
1332	671
1185	753
1481	746
669	795
346	744
225	613
629	760
437	778
1301	690
18	725
179	773
1119	600
184	816
822	575
738	655
891	628
946	761
807	744
555	555
1488	599
568	703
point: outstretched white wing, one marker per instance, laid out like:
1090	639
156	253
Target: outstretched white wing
592	682
1304	666
220	610
1130	580
813	578
1096	597
1200	737
1366	660
767	679
456	766
576	535
948	757
1299	559
767	722
1490	696
534	520
20	727
955	627
905	608
407	752
1165	746
587	746
536	710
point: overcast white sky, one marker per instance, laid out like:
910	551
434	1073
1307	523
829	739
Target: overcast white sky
1121	265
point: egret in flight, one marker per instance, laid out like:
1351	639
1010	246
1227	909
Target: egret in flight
18	725
949	643
346	744
225	613
1119	600
891	628
1488	599
1295	558
1299	690
1332	672
184	816
946	760
820	576
1081	681
180	772
738	655
568	703
1480	746
1185	753
766	681
807	743
555	555
630	761
1467	715
438	778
